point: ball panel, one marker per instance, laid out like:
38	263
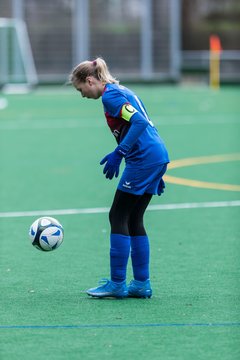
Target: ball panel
33	230
45	222
50	237
53	221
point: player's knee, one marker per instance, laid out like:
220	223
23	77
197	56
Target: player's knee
136	228
118	221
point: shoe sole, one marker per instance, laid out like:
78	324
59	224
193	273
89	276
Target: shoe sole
139	296
109	296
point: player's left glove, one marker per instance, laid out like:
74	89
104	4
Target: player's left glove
113	161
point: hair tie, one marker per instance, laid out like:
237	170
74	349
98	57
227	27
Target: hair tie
94	62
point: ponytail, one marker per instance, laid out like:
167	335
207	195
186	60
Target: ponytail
96	68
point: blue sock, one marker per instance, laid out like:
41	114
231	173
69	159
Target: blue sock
119	254
140	257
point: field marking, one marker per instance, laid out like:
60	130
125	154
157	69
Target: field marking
74	123
100	210
200	161
119	326
3	103
203	160
200	184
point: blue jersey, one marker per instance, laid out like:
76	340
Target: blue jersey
125	111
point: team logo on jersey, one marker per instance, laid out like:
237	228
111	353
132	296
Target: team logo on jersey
116	133
127	111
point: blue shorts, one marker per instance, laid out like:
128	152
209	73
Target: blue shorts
141	181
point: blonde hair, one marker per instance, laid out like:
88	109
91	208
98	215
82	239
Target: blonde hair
96	68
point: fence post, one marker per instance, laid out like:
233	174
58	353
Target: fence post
146	40
80	31
175	38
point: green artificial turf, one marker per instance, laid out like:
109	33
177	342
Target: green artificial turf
51	142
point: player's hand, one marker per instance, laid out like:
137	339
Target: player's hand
113	161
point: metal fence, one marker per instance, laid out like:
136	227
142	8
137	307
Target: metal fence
140	39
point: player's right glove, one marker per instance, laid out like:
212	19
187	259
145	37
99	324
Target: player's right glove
113	161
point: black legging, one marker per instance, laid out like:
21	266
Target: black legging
126	213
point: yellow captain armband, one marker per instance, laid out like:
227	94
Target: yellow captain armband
127	112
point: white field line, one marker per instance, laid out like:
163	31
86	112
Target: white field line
74	123
180	206
3	103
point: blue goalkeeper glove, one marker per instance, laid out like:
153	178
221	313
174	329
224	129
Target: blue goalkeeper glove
113	161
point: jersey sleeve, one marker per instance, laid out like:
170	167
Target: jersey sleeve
119	107
113	102
138	124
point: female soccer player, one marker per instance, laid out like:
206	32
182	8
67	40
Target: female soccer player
146	160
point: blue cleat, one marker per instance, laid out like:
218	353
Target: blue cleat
109	288
140	289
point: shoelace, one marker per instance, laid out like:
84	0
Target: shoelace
103	281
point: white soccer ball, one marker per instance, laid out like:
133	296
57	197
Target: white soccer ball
46	233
